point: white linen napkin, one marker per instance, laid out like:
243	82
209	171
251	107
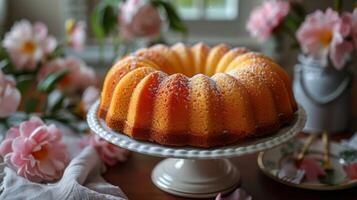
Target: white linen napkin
81	180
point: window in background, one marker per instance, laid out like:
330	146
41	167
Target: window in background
207	9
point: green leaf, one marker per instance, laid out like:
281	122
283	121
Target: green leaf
175	22
58	104
3	53
104	18
24	82
110	19
291	23
5	61
31	105
49	82
95	24
58	52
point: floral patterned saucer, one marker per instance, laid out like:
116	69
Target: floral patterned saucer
279	164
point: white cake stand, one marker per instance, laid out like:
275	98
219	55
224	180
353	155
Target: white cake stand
195	172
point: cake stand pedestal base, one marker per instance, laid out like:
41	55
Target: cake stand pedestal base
196	178
196	172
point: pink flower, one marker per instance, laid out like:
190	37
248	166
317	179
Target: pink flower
79	77
10	96
322	35
312	168
238	194
351	170
28	45
35	151
89	96
109	153
138	18
266	18
76	34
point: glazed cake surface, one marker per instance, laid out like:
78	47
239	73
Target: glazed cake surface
196	95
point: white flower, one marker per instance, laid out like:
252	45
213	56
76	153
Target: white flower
28	45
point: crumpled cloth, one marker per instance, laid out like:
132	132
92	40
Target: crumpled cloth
351	143
238	194
81	180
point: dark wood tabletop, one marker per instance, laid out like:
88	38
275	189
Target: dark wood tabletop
134	178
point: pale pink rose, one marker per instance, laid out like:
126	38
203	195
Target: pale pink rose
79	77
339	53
351	170
6	145
312	168
138	18
109	153
266	18
28	45
10	96
322	35
89	96
238	194
341	48
35	151
76	34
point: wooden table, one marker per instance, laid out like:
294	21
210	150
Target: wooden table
134	178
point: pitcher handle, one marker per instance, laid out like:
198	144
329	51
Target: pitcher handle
327	98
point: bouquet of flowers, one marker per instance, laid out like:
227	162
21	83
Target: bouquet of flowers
38	80
323	35
37	77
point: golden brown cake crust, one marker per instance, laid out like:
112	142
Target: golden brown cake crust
192	103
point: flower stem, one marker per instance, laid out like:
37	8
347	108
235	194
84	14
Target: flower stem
338	4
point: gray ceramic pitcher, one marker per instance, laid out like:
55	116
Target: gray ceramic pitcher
325	94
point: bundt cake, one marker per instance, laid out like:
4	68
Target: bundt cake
198	96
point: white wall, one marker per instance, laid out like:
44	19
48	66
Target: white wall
48	11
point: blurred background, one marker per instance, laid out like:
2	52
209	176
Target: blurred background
210	21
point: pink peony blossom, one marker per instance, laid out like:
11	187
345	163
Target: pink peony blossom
76	34
266	18
109	153
322	35
79	77
10	96
351	170
312	168
89	96
138	18
35	151
28	45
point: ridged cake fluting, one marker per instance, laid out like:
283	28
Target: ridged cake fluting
198	96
